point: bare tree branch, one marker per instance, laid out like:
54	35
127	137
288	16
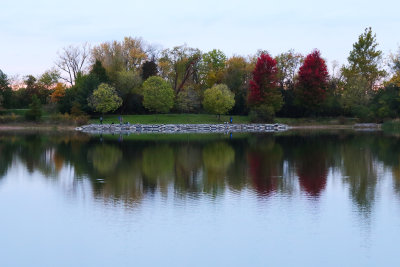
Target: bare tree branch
72	60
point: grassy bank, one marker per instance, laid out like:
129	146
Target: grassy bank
207	118
171	119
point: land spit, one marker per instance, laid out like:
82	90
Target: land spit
180	128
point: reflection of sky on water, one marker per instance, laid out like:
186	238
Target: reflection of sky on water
249	201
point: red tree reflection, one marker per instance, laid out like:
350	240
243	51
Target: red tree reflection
312	172
264	172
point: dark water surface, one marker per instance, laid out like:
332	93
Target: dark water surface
289	199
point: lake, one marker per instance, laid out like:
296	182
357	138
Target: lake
297	198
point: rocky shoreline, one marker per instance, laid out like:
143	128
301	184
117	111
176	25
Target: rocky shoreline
180	128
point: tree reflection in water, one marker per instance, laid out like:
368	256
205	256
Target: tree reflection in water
194	166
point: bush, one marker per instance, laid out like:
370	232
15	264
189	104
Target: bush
10	118
262	113
69	119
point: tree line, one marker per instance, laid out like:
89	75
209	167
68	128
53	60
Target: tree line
133	77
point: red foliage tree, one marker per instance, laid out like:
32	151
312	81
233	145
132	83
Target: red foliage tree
263	89
312	83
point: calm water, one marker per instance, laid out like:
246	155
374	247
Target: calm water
291	199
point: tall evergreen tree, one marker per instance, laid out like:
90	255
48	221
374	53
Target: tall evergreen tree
100	71
149	68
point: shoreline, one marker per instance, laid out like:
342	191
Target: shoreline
191	128
36	127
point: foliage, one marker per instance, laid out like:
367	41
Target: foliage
218	99
354	93
5	90
100	72
128	85
394	65
172	118
264	96
115	56
211	68
180	66
67	119
288	64
365	60
4	83
236	77
158	96
311	87
149	68
386	103
58	92
188	101
83	89
49	79
35	109
105	99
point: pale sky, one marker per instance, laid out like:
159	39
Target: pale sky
31	32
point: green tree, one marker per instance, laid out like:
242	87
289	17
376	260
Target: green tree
236	76
149	68
218	99
188	100
394	65
365	61
212	67
158	95
35	109
49	79
104	99
100	71
5	90
180	66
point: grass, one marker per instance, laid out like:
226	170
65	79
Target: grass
171	119
318	121
20	112
207	118
392	126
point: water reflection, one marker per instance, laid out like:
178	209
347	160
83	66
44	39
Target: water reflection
195	166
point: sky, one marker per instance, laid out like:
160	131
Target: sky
33	32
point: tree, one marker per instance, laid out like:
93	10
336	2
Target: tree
100	71
116	56
158	96
394	65
212	68
180	66
4	83
312	83
58	93
49	79
365	60
5	90
188	100
104	99
288	64
72	61
83	89
128	85
264	97
218	99
35	109
236	76
149	68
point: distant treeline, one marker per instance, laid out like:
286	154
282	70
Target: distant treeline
118	77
